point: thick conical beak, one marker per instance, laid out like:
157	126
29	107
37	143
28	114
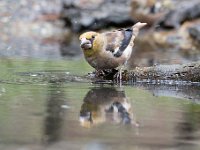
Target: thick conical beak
85	44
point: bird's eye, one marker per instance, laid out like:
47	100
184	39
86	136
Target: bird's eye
93	36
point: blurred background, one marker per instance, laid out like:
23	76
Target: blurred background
49	29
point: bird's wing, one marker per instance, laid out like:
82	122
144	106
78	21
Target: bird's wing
118	40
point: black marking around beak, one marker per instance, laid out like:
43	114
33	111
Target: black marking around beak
85	41
86	44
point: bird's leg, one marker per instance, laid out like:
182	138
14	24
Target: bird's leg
120	76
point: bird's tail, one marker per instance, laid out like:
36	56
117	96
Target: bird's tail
135	32
137	27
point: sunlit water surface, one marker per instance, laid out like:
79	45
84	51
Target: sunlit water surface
42	109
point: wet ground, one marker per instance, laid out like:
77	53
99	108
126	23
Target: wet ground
47	105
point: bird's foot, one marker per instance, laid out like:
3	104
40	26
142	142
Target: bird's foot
107	74
99	73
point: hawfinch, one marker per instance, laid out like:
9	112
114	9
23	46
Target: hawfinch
109	50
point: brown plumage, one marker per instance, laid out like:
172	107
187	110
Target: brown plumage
109	50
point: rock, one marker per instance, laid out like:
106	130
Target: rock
70	47
149	11
184	11
160	45
167	46
31	29
92	15
195	32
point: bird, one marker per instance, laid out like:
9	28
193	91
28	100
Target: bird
110	49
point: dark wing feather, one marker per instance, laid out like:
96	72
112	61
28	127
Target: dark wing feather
125	42
118	39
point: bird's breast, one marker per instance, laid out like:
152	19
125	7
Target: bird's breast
106	59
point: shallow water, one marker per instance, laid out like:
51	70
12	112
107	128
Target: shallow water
46	105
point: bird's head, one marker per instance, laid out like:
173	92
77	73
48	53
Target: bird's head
90	42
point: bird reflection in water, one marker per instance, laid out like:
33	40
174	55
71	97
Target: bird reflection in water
106	104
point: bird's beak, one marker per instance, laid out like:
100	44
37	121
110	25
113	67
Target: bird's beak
85	44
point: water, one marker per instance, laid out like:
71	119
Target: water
46	105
